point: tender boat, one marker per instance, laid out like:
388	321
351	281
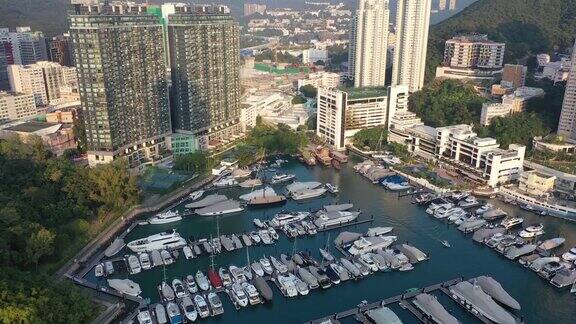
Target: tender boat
281	178
191	284
239	295
532	231
166	257
167	291
377	231
144	317
164	240
335	218
202	281
201	306
252	292
165	217
255	237
189	310
99	270
125	286
284	218
174	313
308	193
179	288
207	201
215	304
333	189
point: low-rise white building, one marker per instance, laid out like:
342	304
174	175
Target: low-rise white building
341	113
273	107
320	79
313	55
511	103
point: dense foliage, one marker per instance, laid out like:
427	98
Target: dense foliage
49	207
518	128
526	26
297	100
279	139
198	162
309	91
371	138
447	102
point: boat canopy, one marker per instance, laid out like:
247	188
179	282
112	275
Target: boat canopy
346	237
383	315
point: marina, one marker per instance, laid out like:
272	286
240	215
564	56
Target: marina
380	208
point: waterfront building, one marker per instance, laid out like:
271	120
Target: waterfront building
369	44
320	79
536	184
412	24
472	57
119	57
205	79
45	80
56	137
341	113
252	8
60	50
567	124
16	106
514	75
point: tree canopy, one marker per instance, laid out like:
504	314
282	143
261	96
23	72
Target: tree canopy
309	91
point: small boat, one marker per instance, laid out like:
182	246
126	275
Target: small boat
156	258
225	276
178	288
273	233
266	266
351	267
570	256
484	209
333	189
166	257
252	292
251	183
238	295
279	266
255	237
214	279
288	262
564	278
377	231
281	178
133	264
259	223
257	268
165	218
551	244
125	286
323	279
301	286
144	259
446	244
99	270
309	278
196	194
201	306
197	249
227	243
174	313
114	247
380	262
215	304
263	288
246	239
367	260
202	281
167	291
342	273
332	275
160	312
309	227
228	181
207	247
326	255
265	236
236	241
188	308
188	254
191	284
238	274
144	317
532	231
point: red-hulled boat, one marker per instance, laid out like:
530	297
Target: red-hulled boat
214	278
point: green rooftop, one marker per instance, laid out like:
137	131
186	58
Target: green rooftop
365	92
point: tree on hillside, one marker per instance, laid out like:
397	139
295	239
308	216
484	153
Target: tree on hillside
309	91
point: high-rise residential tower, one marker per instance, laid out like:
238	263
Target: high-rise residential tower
119	56
567	124
205	68
369	43
412	23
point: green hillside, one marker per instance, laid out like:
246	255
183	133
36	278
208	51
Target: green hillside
526	26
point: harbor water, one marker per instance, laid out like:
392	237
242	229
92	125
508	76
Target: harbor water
540	301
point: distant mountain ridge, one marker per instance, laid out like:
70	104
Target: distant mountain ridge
526	26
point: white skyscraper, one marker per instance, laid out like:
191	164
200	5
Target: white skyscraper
412	22
567	124
368	43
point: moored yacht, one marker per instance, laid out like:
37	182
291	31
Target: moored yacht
191	284
570	256
335	218
252	292
133	264
189	310
125	286
281	178
164	240
511	222
221	208
308	193
178	288
370	244
202	280
284	218
165	217
201	306
332	188
215	304
196	194
239	295
287	285
532	231
174	313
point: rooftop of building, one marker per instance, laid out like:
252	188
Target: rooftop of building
539	174
472	38
428	131
364	92
31	127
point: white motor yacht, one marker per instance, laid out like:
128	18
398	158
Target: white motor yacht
266	265
511	222
191	284
179	288
196	194
215	304
166	291
265	236
164	240
257	268
279	266
133	264
189	310
145	262
284	218
570	256
468	201
532	231
287	285
252	292
188	254
166	257
165	217
335	218
332	188
239	295
144	317
238	275
280	178
370	244
125	286
484	209
202	280
308	193
225	276
259	223
255	237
